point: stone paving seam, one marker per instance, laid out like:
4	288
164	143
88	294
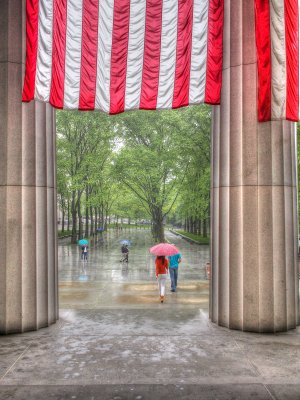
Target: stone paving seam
14	363
253	366
273	396
32	335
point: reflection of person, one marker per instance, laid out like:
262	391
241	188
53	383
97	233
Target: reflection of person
161	267
125	253
84	252
173	268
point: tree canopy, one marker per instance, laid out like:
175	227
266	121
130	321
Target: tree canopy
140	165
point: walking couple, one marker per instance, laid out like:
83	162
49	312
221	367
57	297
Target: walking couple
163	265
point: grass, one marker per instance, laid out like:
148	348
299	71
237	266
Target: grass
65	233
198	238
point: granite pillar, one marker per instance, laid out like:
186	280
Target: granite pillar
254	285
28	262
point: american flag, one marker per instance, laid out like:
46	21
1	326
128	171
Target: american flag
277	40
118	55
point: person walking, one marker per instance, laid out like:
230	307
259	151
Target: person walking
125	253
174	262
84	252
161	267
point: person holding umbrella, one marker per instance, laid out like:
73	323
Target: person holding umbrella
84	248
162	250
84	252
125	250
161	272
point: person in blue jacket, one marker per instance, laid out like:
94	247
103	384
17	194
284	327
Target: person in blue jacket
174	262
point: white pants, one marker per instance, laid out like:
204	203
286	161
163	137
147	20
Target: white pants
161	280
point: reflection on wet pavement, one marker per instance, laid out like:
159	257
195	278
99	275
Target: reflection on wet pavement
104	281
116	341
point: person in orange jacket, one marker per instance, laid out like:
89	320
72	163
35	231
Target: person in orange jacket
161	268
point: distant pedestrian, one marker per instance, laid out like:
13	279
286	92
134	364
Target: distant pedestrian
84	252
161	269
125	253
173	269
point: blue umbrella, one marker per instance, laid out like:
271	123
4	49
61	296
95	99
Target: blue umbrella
126	242
100	229
83	242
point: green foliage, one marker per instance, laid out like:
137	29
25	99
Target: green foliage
198	238
194	198
65	233
138	165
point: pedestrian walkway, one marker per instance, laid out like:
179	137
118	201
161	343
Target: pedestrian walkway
105	282
126	345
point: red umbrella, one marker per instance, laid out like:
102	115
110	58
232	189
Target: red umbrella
164	249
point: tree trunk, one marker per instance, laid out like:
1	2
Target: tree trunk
198	226
205	228
68	213
158	232
80	233
194	229
96	220
74	218
191	224
92	220
87	212
102	216
63	220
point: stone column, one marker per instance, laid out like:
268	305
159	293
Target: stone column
254	285
28	261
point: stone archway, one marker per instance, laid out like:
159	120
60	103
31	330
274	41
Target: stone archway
254	194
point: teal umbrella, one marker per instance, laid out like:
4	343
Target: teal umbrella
83	242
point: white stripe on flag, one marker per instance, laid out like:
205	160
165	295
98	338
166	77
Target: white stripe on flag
199	52
278	51
73	54
44	54
135	54
106	14
168	54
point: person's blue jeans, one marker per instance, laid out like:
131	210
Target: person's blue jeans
173	276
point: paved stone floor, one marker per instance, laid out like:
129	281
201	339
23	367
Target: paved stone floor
115	341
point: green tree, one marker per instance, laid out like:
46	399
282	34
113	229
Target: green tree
193	203
84	143
150	162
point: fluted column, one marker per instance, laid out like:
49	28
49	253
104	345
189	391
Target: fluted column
28	262
254	284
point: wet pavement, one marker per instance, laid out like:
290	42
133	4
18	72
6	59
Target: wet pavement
103	281
115	341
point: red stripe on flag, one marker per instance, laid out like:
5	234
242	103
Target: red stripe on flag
263	48
292	59
119	55
32	29
183	53
150	78
89	55
58	53
214	52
